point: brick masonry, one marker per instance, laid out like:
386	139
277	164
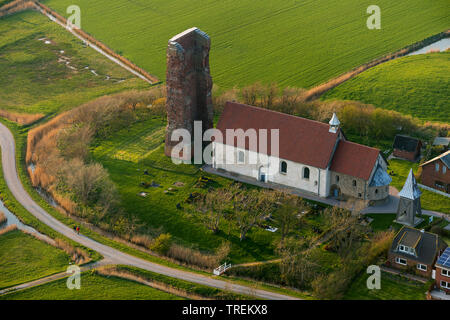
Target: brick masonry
411	266
357	188
430	176
189	85
440	277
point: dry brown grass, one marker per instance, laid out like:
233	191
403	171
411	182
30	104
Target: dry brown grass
21	118
195	258
142	240
8	229
16	6
113	271
2	218
78	255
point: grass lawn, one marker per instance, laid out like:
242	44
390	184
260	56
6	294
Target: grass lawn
296	43
129	152
46	78
23	258
382	222
429	200
416	85
93	287
392	288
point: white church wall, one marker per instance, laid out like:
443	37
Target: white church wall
226	158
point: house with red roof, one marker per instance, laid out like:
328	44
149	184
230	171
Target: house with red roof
290	151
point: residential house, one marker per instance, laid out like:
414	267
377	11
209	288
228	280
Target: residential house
436	172
415	251
442	142
313	157
443	272
407	148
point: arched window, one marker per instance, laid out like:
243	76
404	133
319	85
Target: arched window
283	167
376	191
306	173
337	178
354	183
241	157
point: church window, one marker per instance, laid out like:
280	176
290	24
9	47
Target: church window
283	167
241	157
306	173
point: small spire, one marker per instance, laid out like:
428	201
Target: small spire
410	189
334	123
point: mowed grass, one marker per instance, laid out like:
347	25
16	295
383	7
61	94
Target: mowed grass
392	288
417	85
429	200
93	287
128	153
296	43
46	78
23	258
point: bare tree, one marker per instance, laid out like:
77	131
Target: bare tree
251	207
213	205
344	228
297	266
287	213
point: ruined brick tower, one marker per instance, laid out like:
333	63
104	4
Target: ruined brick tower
189	84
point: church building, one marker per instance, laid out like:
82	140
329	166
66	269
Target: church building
312	156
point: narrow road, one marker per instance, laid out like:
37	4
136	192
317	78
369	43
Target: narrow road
7	144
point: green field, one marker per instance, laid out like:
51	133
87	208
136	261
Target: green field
429	200
35	76
129	152
93	287
392	288
23	258
296	43
416	85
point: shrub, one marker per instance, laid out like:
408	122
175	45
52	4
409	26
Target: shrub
162	243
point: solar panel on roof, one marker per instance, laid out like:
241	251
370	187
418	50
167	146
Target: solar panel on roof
444	259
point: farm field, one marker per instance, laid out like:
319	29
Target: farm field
44	78
293	43
23	258
93	287
429	200
392	288
129	152
416	85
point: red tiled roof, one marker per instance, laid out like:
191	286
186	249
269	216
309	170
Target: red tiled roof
301	140
354	159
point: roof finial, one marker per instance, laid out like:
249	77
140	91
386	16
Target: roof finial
334	123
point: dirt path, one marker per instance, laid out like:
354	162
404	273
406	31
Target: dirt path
115	256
